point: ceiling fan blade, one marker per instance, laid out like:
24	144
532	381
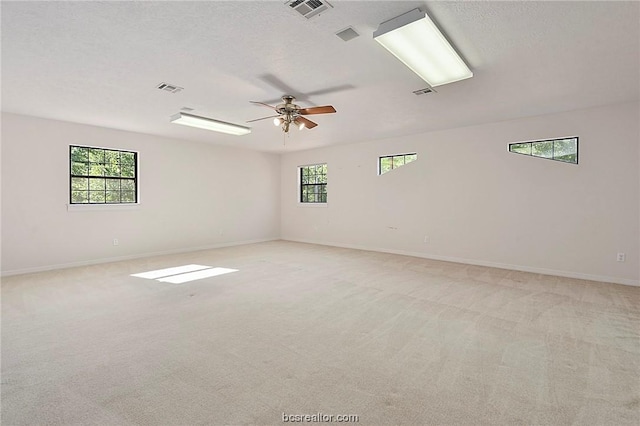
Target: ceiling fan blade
327	109
282	87
276	83
263	104
328	90
263	118
307	123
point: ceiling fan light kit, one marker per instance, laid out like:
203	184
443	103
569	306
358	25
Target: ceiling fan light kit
417	42
209	124
288	113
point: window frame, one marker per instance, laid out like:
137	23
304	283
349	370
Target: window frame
106	204
553	140
302	185
380	158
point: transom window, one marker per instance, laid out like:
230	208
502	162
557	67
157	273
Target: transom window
102	176
390	162
565	149
313	183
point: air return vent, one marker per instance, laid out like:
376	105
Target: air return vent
172	88
308	8
424	91
347	34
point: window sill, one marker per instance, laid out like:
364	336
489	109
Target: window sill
312	205
101	207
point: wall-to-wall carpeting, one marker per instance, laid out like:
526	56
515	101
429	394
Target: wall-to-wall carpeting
307	329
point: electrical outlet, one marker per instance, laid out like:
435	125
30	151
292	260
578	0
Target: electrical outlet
622	257
115	242
426	239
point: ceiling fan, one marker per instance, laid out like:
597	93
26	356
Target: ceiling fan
288	113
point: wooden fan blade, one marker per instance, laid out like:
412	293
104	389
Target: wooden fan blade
263	104
263	118
307	123
327	109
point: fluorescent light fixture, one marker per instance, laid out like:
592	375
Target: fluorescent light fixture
209	124
415	40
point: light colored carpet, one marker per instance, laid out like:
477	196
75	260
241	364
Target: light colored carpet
302	329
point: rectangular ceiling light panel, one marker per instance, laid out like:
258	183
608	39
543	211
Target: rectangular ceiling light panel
209	124
415	40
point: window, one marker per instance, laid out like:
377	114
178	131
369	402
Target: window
565	149
390	162
102	176
313	183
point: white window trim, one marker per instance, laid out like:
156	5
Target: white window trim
106	207
101	207
380	157
313	205
298	186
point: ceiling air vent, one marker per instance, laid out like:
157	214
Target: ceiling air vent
308	8
171	88
424	91
347	34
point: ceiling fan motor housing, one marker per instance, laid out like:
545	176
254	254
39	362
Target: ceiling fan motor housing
292	113
288	107
288	110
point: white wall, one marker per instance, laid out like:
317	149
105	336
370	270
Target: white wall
479	203
192	195
476	202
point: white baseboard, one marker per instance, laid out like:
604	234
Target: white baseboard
129	257
567	274
543	271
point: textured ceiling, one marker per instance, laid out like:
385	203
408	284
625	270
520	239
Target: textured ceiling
99	63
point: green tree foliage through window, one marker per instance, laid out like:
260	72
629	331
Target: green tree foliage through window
102	176
565	149
390	162
313	183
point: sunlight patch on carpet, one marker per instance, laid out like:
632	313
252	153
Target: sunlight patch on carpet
198	275
183	274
